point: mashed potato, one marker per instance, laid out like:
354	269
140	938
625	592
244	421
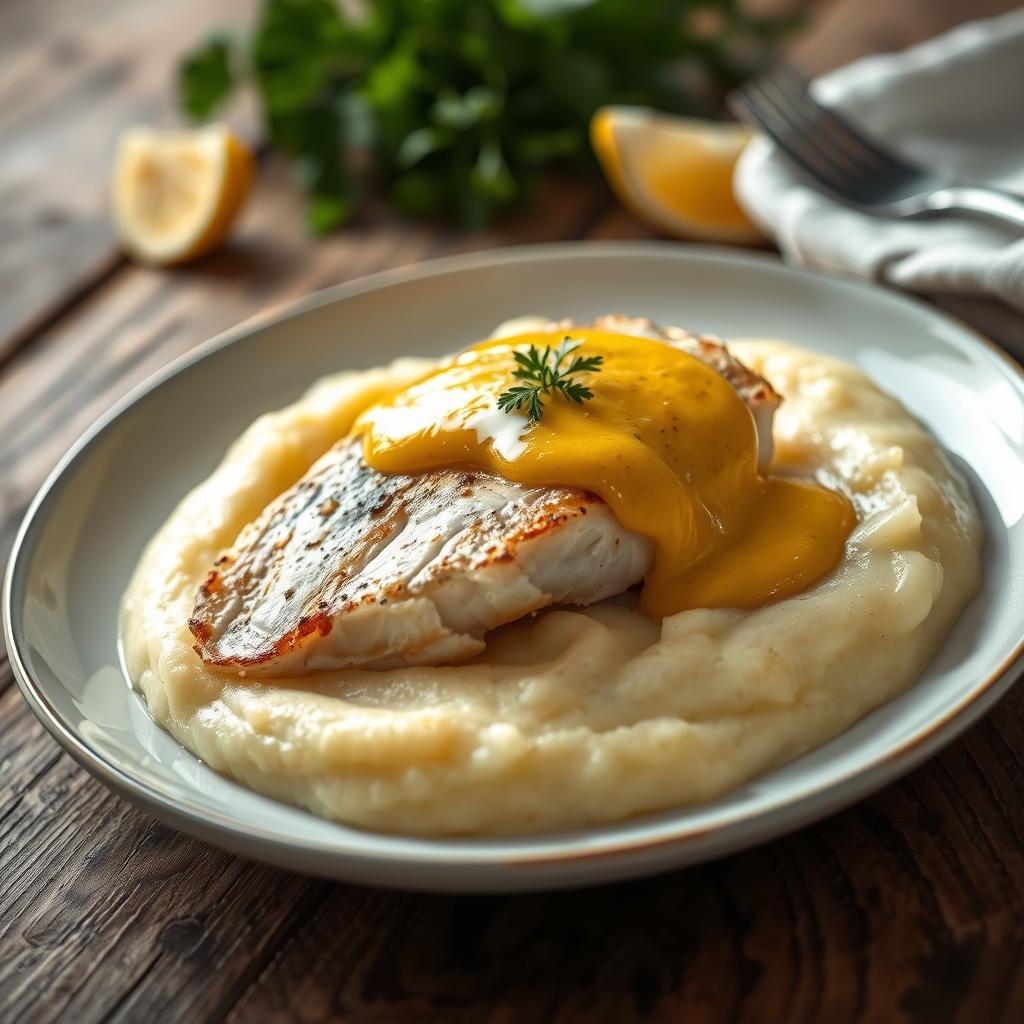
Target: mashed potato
574	716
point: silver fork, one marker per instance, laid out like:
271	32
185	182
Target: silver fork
849	166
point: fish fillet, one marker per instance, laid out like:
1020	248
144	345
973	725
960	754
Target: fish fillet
355	567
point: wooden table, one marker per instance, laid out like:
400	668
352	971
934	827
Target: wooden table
909	906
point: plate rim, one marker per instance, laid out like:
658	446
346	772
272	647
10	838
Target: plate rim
619	856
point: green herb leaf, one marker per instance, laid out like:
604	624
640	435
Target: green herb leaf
421	143
545	374
458	106
205	78
326	212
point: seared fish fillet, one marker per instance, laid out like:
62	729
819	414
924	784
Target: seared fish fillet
355	567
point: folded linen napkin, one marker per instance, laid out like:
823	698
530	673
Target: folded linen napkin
954	103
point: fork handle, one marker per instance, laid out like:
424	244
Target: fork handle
987	202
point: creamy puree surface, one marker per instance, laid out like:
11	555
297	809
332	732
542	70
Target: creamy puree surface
574	716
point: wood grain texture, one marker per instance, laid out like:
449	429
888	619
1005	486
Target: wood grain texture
907	907
84	72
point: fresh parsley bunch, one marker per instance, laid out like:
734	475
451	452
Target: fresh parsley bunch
459	105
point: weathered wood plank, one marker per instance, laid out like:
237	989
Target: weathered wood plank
77	76
111	902
47	47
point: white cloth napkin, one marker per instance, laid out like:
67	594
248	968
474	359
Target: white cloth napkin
956	103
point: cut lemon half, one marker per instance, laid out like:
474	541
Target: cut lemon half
674	172
176	193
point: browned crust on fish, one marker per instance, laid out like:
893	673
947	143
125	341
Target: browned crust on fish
303	561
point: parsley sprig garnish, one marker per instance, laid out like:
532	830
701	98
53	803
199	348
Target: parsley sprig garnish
544	373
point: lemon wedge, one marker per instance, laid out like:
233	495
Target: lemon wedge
176	193
674	172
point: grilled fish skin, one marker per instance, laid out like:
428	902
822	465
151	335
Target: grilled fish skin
356	567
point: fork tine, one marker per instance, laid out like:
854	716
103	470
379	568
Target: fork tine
806	119
796	88
753	101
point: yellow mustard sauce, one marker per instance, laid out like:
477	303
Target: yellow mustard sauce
666	442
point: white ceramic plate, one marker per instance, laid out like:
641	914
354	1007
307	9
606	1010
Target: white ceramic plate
87	526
